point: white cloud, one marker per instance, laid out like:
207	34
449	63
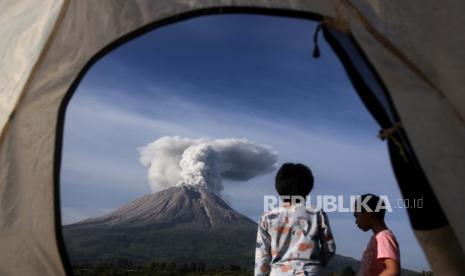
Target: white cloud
96	131
203	162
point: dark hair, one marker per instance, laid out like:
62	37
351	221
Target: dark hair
372	202
294	180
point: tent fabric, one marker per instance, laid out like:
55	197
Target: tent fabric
431	117
409	175
50	45
429	222
379	100
444	262
21	44
27	154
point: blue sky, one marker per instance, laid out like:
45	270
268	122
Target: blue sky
227	76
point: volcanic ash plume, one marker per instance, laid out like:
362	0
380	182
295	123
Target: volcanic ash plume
204	162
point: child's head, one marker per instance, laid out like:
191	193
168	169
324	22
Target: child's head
293	180
364	217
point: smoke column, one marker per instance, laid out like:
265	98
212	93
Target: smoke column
203	162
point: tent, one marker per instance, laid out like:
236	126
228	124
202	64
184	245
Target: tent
405	59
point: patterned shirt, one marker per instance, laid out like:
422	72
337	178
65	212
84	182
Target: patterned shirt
293	240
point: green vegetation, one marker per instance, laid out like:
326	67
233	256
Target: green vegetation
214	246
126	268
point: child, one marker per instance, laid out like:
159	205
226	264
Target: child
294	240
381	256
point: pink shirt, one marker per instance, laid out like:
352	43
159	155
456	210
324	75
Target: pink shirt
381	246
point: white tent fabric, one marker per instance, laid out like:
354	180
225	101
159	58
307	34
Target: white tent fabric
415	46
431	110
27	27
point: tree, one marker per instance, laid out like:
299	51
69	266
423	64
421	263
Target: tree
171	267
202	267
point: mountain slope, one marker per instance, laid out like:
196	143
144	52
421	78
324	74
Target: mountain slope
180	224
179	206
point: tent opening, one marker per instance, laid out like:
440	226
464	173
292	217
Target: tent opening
217	102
